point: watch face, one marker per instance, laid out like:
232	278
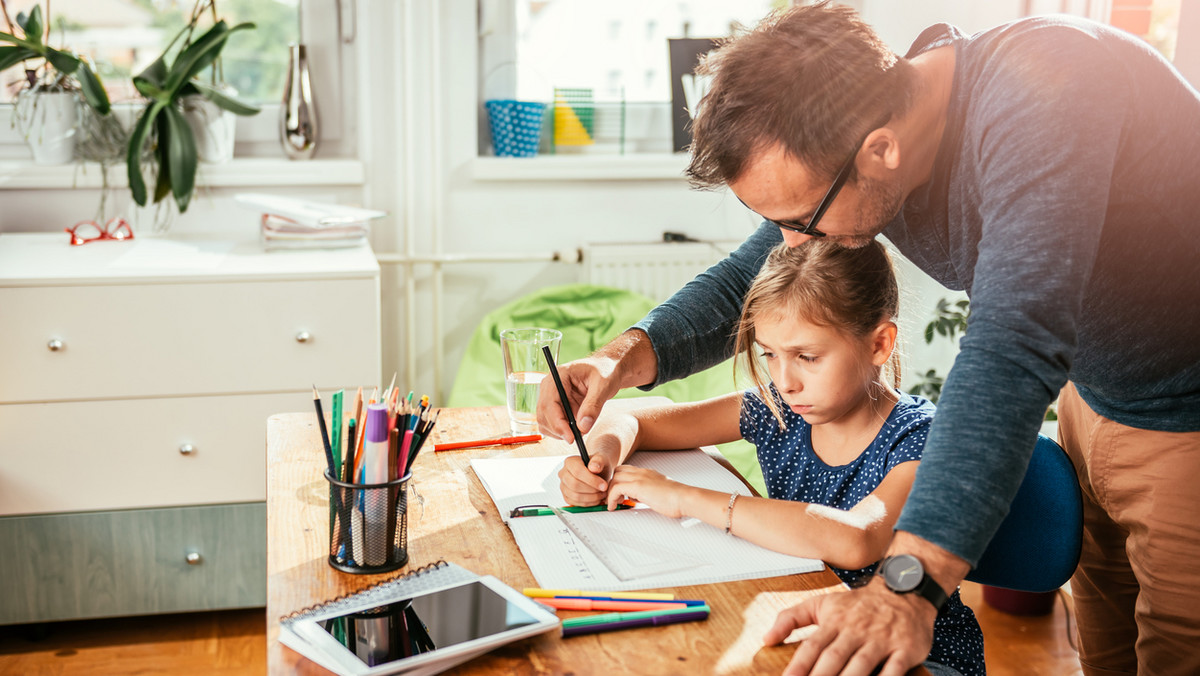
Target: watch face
903	573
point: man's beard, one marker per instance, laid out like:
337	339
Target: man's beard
878	204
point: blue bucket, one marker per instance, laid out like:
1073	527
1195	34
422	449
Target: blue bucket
516	126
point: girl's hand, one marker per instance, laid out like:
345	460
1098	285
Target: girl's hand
585	486
647	486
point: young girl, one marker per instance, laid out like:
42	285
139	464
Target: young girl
838	445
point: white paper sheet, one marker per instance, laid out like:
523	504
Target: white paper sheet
627	549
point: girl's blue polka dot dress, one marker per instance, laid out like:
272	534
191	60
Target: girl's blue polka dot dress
793	471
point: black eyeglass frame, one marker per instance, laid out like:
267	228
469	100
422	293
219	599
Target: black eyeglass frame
839	180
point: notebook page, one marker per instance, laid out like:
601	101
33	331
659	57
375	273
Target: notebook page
515	482
638	548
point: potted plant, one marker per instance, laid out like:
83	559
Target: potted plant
162	136
46	109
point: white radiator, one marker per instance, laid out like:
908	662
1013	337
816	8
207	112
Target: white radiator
654	269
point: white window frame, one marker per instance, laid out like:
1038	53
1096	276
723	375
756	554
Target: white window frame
329	33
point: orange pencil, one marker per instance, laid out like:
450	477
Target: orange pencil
502	441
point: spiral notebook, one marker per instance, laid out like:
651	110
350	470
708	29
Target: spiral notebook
424	622
629	549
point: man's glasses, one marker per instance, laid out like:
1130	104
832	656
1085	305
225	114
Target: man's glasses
90	231
839	180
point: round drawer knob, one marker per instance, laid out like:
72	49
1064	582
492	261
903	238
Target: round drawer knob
194	558
55	345
187	449
303	337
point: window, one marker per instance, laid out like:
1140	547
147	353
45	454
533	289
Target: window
122	37
616	49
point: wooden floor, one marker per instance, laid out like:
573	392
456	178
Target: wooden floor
234	642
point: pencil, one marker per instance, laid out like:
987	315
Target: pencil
566	406
324	431
502	441
336	433
348	462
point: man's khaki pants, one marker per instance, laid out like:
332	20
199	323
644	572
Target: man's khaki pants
1137	589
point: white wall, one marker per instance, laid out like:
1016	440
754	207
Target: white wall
513	216
417	119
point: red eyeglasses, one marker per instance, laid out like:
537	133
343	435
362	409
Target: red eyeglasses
90	231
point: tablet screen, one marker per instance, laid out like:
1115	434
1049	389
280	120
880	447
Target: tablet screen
424	623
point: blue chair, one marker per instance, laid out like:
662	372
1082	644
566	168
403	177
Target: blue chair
1036	548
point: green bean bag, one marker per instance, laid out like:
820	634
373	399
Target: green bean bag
588	316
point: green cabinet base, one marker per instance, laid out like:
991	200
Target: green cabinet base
136	562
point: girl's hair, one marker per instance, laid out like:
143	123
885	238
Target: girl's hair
814	78
852	290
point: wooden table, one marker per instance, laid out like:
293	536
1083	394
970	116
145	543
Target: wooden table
454	519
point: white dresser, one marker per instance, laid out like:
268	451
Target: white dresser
136	379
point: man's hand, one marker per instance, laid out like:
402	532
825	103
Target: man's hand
872	626
627	361
858	631
588	382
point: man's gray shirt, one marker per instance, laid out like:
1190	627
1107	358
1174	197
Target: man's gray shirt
1064	200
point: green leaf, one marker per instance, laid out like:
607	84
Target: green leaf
148	89
929	333
155	73
162	188
224	101
93	89
133	155
194	57
11	56
64	62
33	25
35	47
181	157
201	53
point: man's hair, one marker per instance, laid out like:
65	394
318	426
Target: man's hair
851	290
814	78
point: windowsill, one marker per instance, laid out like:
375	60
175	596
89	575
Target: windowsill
19	174
658	166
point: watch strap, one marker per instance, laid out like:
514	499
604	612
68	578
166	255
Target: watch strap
931	591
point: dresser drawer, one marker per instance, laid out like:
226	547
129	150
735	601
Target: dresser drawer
102	455
108	564
115	341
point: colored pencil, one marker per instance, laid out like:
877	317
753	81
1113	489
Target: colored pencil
324	431
615	604
502	441
566	406
538	592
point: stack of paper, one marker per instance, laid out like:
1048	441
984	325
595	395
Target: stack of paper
289	223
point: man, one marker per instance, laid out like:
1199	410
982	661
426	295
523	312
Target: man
1047	167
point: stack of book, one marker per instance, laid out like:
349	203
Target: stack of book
290	223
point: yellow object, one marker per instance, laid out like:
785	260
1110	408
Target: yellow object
568	129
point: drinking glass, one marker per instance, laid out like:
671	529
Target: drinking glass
524	368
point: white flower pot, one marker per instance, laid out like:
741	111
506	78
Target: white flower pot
212	127
48	121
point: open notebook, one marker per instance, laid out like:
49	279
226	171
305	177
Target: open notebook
628	549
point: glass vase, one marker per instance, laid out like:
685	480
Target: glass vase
298	127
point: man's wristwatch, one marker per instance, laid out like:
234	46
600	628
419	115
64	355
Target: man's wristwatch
904	574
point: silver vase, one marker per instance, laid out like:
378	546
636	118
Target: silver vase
298	128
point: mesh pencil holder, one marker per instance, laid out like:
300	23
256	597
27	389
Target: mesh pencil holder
368	525
516	126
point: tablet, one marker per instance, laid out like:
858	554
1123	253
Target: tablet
441	626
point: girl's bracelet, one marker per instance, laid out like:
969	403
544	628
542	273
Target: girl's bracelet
729	514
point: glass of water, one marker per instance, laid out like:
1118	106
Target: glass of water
524	368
